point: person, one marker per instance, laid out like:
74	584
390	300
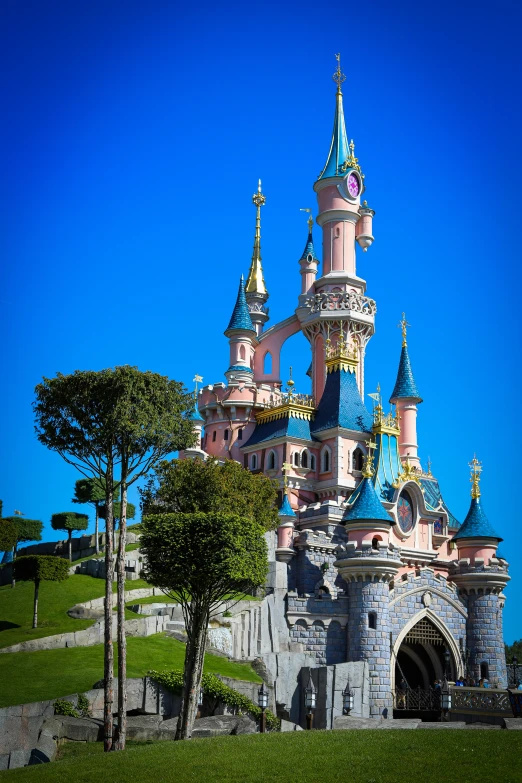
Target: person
485	683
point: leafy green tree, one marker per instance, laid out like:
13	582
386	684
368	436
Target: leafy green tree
514	649
8	534
114	425
194	485
199	559
35	568
27	530
70	521
91	491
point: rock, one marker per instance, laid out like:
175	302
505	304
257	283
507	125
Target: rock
346	722
513	724
45	751
79	729
19	758
220	725
287	725
143	727
456	724
19	733
4	761
483	726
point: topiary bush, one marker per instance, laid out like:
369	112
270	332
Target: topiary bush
172	679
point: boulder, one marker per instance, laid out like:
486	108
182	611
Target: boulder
287	725
143	727
513	724
219	725
79	729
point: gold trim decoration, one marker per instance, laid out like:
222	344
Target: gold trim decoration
409	473
256	282
352	162
339	76
403	325
368	469
340	357
383	423
476	470
290	403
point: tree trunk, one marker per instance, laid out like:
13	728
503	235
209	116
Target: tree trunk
70	546
108	659
193	669
35	613
13	580
97	544
122	641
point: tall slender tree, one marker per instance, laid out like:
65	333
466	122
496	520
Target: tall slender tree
131	513
115	425
70	521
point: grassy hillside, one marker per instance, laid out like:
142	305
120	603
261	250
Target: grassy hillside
308	757
47	674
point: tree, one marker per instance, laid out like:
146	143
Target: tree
131	513
8	534
35	568
69	521
119	420
91	491
199	559
27	530
194	485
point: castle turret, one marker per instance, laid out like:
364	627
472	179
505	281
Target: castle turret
242	339
285	532
406	398
256	293
308	262
368	563
480	577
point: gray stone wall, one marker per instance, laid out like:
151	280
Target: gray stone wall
484	636
371	644
325	641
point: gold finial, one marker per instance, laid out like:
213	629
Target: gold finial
286	467
403	325
290	383
338	76
368	470
310	220
476	470
429	467
255	282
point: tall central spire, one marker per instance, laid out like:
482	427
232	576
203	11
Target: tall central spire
339	148
255	288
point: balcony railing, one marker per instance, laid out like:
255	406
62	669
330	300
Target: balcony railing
339	300
490	701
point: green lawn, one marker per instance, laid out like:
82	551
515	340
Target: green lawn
47	674
301	757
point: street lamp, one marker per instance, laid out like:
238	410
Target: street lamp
447	662
310	694
348	699
200	701
262	700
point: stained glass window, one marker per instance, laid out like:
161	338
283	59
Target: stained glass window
405	513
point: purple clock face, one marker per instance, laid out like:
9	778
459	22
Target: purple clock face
352	184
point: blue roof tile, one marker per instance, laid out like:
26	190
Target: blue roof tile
285	427
286	509
405	384
432	498
240	316
366	505
195	414
339	149
476	524
242	367
309	249
341	405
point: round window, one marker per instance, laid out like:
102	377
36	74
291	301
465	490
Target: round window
405	513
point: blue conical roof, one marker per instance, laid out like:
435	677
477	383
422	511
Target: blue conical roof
309	249
366	505
286	509
476	524
339	149
341	405
240	315
195	414
405	385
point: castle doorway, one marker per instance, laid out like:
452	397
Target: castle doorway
420	667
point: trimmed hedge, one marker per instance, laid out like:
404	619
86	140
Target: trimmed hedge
37	567
172	679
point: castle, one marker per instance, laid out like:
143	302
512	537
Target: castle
368	564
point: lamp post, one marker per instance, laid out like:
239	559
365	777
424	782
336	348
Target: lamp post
447	663
262	701
310	694
200	701
348	699
515	677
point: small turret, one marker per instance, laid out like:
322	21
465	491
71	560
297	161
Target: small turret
198	422
308	260
256	293
285	532
476	537
406	398
242	340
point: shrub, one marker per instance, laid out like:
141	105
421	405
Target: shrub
83	706
172	679
64	707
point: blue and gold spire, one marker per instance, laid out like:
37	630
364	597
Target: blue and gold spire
309	253
476	524
405	385
341	156
240	316
365	505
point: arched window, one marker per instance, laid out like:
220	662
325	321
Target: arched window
226	434
312	462
296	459
372	620
271	460
304	459
357	459
484	671
214	436
325	460
240	433
375	543
242	352
267	363
253	462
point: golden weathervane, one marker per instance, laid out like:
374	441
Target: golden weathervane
338	76
403	325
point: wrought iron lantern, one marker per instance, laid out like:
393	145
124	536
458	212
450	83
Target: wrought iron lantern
201	696
262	700
446	699
348	698
447	662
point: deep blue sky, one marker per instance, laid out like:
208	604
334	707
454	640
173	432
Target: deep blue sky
132	137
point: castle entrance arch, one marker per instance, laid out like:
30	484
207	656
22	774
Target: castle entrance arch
419	663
